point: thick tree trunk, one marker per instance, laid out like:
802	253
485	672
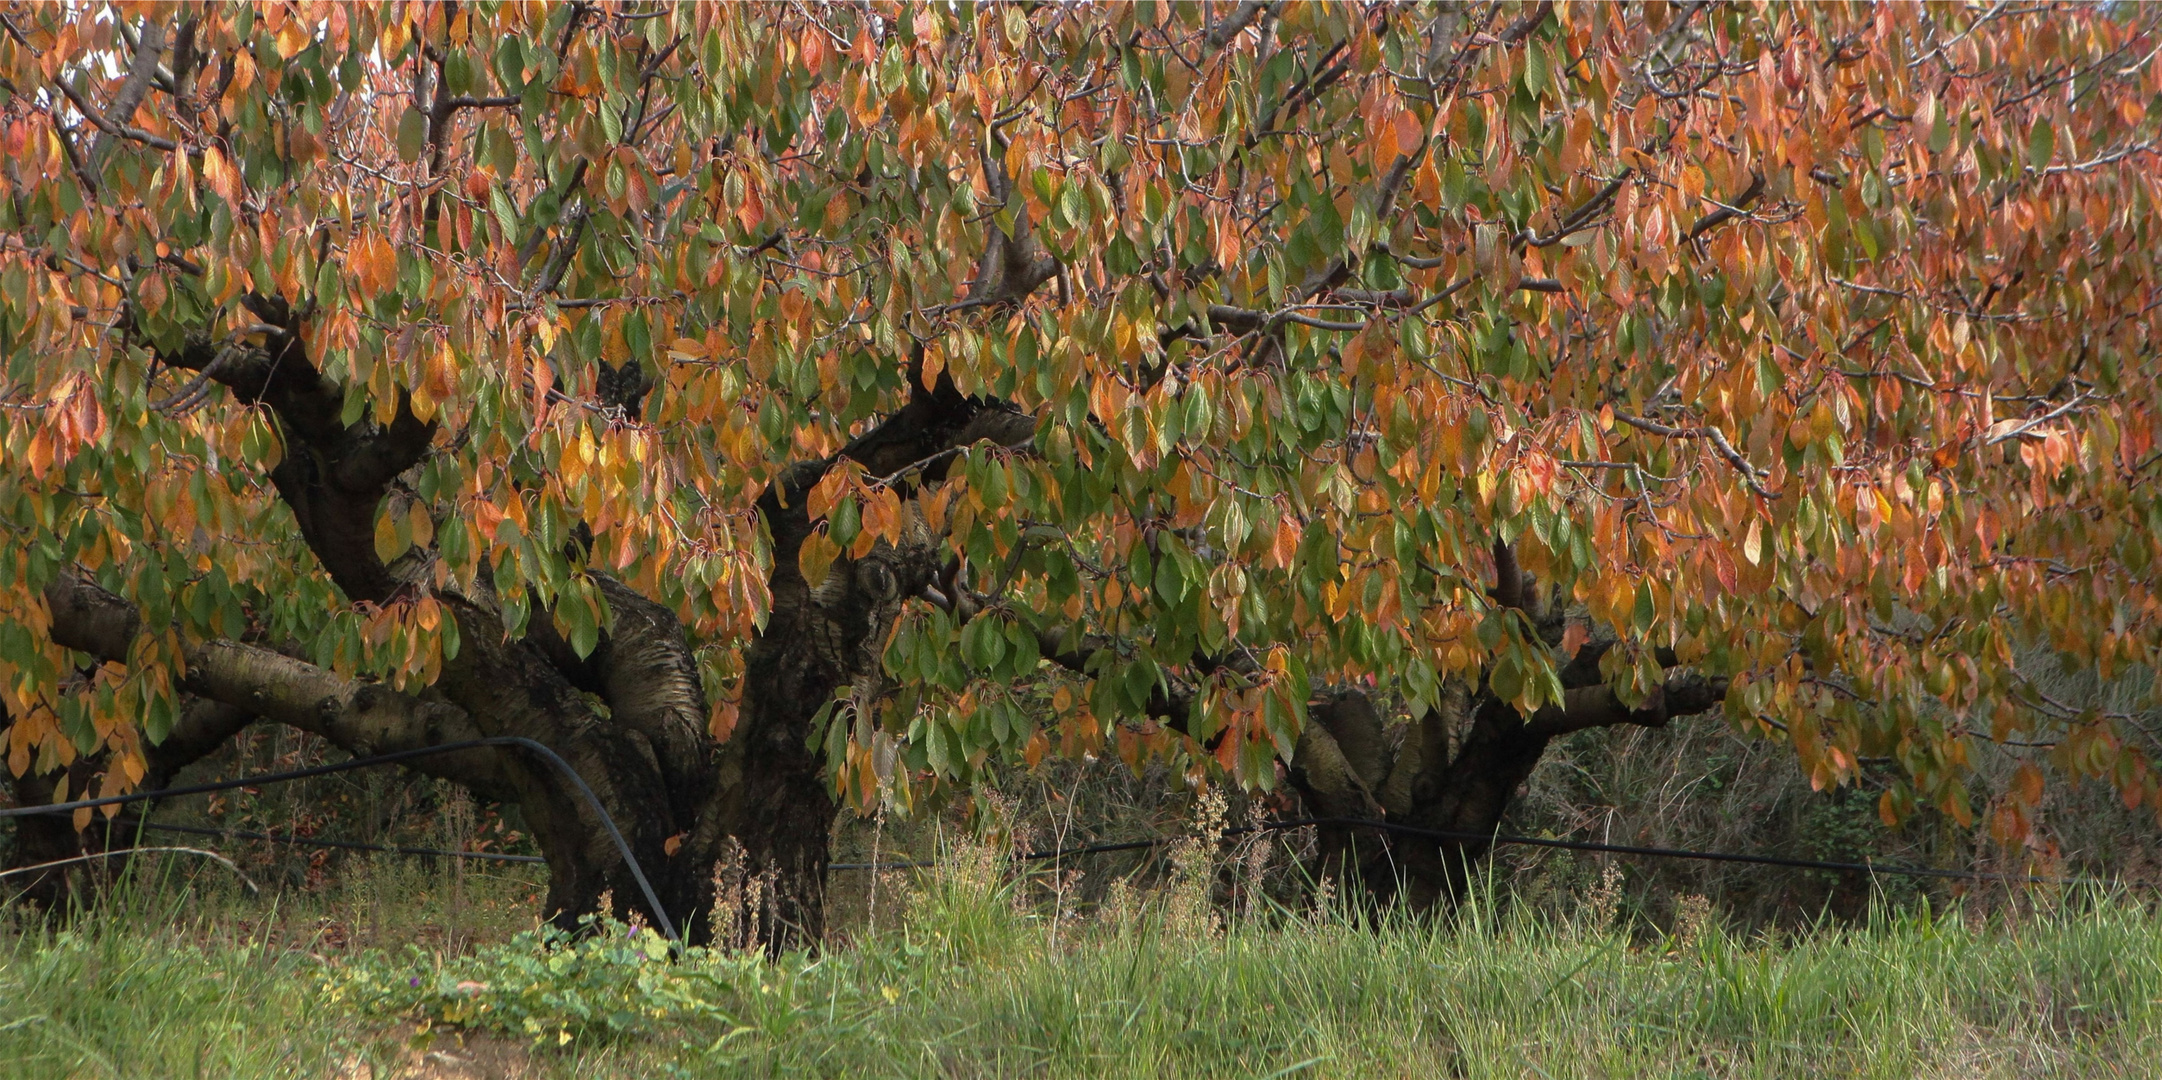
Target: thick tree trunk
202	728
683	802
1345	766
773	795
50	839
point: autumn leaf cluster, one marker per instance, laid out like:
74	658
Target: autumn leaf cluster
1811	346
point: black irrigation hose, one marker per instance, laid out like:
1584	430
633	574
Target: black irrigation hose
1499	839
342	845
638	874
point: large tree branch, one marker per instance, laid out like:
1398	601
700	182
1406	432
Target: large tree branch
1685	694
357	716
334	475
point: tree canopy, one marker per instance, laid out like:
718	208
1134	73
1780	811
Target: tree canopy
1145	379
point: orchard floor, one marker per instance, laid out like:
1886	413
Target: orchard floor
959	981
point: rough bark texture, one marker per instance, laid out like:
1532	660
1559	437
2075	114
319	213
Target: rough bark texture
630	717
1347	765
773	794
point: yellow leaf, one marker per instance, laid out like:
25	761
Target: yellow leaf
815	557
934	363
387	544
292	38
1753	543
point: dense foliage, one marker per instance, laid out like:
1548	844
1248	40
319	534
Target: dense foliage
1531	368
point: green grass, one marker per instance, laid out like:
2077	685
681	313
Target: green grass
968	986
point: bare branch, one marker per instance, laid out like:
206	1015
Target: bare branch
1729	210
1233	24
1751	475
141	70
1522	28
109	127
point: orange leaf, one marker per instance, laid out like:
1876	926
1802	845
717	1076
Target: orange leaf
723	722
934	364
2027	783
826	492
1573	638
1287	541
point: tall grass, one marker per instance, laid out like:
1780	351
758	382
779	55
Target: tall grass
968	983
145	989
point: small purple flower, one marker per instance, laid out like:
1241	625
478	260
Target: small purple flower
415	980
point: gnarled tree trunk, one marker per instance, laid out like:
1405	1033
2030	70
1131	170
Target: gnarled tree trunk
1347	766
629	717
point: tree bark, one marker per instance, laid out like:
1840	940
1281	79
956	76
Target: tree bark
1345	766
683	801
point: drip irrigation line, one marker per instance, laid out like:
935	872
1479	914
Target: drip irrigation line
341	845
638	874
661	915
1501	839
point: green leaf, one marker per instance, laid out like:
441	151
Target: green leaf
412	129
1140	682
1072	203
2041	143
1024	653
983	644
1170	581
585	635
1506	678
506	215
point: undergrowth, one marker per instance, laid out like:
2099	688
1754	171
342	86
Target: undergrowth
966	981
